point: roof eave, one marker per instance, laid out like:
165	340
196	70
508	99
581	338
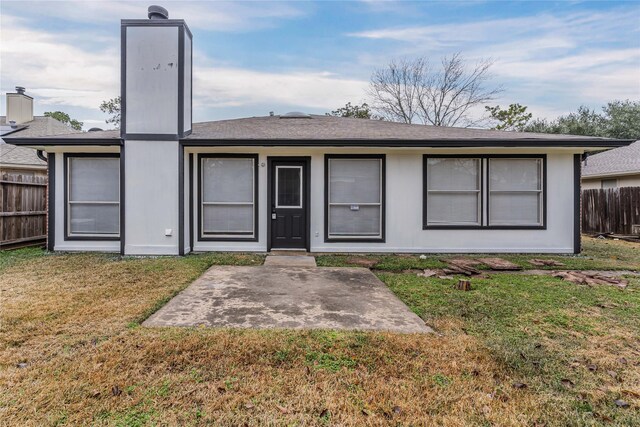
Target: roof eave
49	142
426	143
610	174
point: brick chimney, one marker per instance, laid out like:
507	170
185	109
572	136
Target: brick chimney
19	107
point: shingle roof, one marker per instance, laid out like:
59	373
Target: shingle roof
621	160
328	130
340	128
39	126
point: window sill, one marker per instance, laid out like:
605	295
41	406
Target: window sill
484	227
226	239
93	238
354	240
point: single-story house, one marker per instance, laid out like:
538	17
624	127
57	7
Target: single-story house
615	168
23	172
20	121
163	185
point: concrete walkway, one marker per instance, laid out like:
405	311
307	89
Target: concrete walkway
272	296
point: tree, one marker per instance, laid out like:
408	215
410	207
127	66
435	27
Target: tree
619	119
356	111
623	119
64	118
513	118
112	107
413	91
583	122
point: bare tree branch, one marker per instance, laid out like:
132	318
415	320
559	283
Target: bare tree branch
411	91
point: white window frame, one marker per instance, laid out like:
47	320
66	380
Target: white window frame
299	206
380	204
540	192
228	234
478	192
69	203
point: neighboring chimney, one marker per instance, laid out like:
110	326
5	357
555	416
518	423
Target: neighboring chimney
19	107
155	77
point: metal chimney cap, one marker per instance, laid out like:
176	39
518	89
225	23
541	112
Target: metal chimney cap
20	90
157	12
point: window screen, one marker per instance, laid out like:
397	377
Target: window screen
93	196
228	196
515	191
453	191
355	198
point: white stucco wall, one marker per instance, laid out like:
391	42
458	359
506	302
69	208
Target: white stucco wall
151	206
187	82
404	231
152	80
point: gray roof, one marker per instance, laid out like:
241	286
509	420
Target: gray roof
318	127
329	130
39	126
623	160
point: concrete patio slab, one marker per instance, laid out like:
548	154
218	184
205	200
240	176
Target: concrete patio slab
292	297
289	261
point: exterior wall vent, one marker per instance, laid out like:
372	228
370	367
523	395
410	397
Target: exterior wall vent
157	12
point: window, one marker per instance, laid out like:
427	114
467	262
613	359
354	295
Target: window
92	196
515	191
355	197
608	183
453	191
484	191
289	187
228	194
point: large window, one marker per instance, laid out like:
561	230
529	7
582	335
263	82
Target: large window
484	191
515	191
92	196
355	198
453	191
228	197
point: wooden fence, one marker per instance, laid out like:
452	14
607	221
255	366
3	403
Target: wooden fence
613	210
23	210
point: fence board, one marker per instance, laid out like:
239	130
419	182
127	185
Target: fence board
23	205
612	210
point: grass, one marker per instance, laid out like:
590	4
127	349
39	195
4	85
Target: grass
597	254
71	352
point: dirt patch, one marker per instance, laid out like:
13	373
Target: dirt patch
545	262
362	262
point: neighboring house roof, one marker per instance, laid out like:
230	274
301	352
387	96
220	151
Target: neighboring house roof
38	127
621	161
327	130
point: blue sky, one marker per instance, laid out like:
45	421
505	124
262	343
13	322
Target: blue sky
254	57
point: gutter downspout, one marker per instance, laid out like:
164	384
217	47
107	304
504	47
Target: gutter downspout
41	156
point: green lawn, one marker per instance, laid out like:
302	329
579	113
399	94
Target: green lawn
515	350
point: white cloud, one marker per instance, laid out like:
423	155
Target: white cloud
53	69
58	73
202	15
222	86
548	60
